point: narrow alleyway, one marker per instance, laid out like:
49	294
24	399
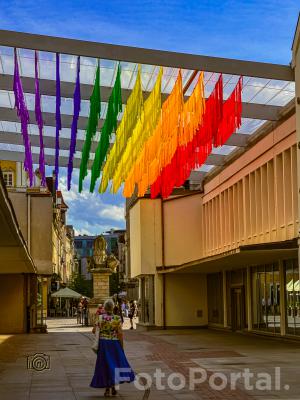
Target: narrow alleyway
72	361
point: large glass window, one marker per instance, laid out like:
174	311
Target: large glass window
266	298
292	285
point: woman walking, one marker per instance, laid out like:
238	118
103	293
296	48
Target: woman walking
110	356
132	312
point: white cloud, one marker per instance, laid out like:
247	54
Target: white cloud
112	212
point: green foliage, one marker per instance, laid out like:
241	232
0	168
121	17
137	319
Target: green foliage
81	285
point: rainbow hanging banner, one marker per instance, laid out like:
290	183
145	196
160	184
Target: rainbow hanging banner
76	102
231	115
142	131
58	121
191	120
160	147
114	107
95	109
194	154
39	118
124	131
23	114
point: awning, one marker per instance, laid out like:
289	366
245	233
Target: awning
14	255
67	293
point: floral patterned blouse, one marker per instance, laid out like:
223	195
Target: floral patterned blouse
109	325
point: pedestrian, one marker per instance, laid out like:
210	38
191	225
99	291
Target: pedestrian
126	308
111	358
132	312
100	309
118	307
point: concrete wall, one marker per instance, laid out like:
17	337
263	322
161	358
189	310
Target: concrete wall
186	298
145	237
13	304
254	199
182	229
38	234
41	233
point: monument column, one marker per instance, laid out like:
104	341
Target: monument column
101	267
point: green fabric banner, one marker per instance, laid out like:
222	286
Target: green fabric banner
95	110
113	109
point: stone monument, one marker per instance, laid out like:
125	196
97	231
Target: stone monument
101	266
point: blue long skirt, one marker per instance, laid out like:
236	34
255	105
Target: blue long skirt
112	367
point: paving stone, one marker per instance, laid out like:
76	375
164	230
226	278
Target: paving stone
72	363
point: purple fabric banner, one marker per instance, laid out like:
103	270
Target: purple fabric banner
58	121
23	114
39	119
76	102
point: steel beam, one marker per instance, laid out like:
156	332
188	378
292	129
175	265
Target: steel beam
238	139
215	159
256	111
145	56
47	87
49	159
49	141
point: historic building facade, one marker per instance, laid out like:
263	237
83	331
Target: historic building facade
41	216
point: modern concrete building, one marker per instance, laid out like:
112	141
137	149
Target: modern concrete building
223	250
227	255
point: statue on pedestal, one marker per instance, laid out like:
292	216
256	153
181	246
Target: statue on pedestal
100	260
101	266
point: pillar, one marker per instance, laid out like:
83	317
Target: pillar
248	300
296	66
100	289
101	285
225	310
282	299
159	300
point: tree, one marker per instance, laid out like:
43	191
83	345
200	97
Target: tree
81	285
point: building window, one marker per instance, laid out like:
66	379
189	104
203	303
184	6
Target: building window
266	298
8	179
78	244
89	244
292	290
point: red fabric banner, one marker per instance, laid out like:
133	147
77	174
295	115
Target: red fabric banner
219	122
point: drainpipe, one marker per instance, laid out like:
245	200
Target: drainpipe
29	222
163	263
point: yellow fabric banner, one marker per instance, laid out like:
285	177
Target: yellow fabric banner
132	113
157	149
142	131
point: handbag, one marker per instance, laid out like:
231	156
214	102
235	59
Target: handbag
95	345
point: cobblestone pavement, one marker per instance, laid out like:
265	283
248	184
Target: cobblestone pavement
72	363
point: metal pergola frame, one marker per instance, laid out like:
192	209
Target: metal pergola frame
127	54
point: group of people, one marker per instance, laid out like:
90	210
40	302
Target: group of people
111	358
122	308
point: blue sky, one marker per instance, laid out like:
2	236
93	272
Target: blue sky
250	30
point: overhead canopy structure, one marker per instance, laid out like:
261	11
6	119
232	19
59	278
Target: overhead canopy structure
268	91
66	293
14	254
